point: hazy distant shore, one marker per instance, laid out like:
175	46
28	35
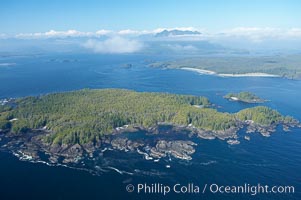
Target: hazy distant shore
208	72
7	64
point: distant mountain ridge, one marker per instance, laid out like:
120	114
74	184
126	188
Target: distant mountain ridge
176	32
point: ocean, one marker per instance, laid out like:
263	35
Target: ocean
267	161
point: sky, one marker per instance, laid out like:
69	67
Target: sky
30	16
125	26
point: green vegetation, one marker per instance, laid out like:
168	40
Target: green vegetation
4	117
287	66
84	116
244	97
264	116
261	115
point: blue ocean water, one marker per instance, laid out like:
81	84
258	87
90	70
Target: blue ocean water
273	161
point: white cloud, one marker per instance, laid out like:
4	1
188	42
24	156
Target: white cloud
254	34
178	47
257	35
103	32
53	34
251	34
294	32
128	32
3	36
114	45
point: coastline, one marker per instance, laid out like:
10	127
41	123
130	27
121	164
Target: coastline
161	145
257	74
209	72
201	71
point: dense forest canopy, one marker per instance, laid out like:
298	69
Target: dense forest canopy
85	115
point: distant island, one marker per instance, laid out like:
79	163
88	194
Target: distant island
285	66
72	125
246	97
175	32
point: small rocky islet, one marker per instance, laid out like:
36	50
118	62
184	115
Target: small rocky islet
245	97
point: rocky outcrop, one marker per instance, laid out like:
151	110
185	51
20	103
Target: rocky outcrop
125	144
153	142
178	149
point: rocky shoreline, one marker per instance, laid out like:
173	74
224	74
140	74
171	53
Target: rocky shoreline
153	145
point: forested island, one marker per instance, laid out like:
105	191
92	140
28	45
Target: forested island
246	97
286	66
78	123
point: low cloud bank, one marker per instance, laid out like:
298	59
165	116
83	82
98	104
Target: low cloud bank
114	45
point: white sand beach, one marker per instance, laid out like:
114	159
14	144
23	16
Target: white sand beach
208	72
249	75
201	71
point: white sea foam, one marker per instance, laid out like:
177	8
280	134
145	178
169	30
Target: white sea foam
208	163
119	171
